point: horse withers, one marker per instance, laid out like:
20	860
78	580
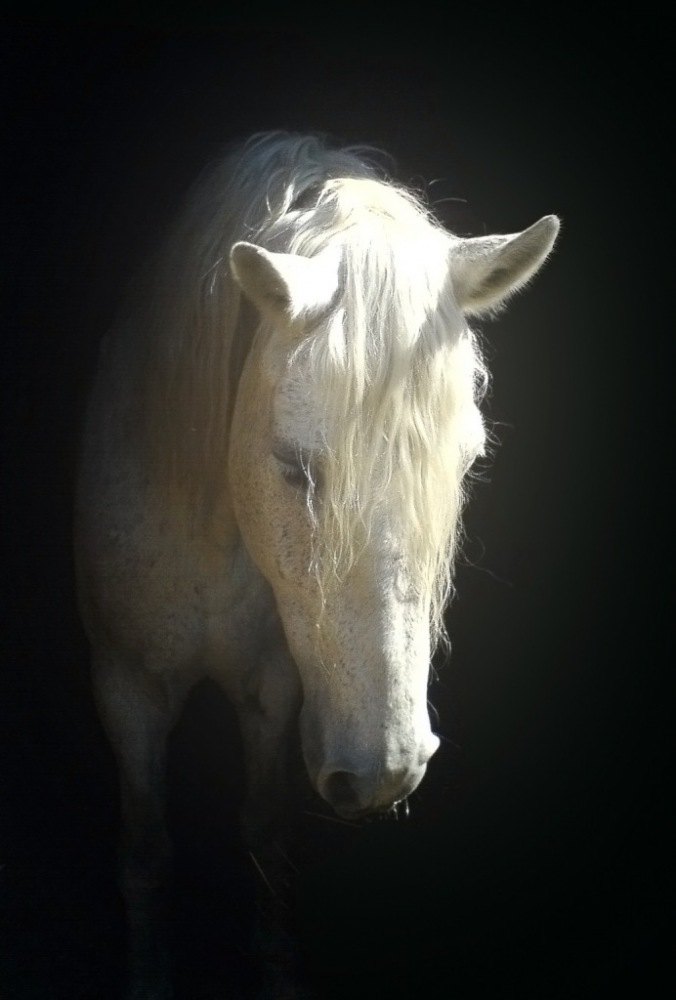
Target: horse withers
271	485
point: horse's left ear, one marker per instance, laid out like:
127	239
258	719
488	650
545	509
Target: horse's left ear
285	287
486	270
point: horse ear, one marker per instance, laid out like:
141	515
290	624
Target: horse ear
285	286
486	270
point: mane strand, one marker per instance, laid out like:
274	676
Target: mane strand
401	374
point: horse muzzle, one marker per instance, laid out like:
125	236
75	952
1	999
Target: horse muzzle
360	791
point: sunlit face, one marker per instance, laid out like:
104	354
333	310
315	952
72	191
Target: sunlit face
362	645
363	649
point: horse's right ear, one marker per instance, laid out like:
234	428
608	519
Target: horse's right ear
487	270
285	287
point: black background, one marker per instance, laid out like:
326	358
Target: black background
535	862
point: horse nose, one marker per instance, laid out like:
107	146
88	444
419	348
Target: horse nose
353	793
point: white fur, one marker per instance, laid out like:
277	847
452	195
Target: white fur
272	478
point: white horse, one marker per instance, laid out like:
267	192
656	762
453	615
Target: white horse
271	485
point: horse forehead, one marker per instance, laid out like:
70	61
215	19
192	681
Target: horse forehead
298	414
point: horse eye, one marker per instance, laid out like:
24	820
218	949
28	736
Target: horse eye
294	473
298	468
293	468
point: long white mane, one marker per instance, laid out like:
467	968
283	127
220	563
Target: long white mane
400	372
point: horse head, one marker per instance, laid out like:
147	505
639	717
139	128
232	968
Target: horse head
346	467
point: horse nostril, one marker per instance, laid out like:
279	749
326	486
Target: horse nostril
355	794
339	789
